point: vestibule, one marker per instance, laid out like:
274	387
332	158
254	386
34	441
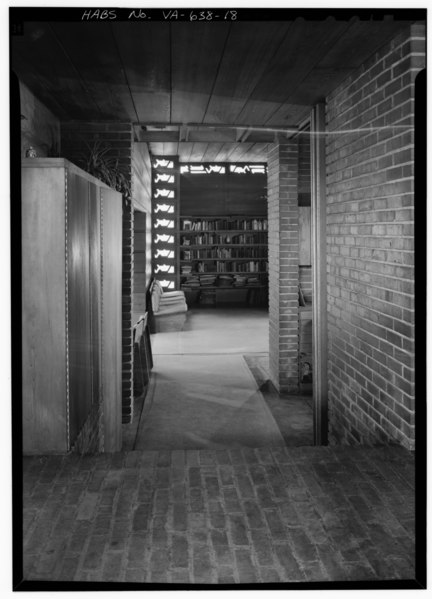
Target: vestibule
181	97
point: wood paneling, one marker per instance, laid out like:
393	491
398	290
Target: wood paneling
95	290
40	128
304	235
243	73
41	63
112	318
209	155
203	194
213	152
103	77
248	53
145	53
170	148
43	315
258	152
141	177
240	151
79	323
198	150
197	49
185	151
215	194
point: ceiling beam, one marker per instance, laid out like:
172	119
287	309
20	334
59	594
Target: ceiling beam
212	133
159	136
171	126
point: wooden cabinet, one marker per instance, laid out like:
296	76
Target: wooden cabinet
71	307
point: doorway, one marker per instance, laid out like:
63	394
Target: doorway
211	383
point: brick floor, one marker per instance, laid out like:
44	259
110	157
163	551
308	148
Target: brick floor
221	517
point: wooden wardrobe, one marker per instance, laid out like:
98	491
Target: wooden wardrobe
71	309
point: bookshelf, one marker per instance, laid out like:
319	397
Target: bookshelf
221	253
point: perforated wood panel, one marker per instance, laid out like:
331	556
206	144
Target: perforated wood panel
165	220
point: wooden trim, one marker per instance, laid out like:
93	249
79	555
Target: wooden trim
319	275
66	224
111	332
72	168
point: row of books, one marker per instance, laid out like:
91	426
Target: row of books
259	237
228	267
251	266
202	281
224	253
250	224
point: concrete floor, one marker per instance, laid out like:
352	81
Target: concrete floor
210	388
222	516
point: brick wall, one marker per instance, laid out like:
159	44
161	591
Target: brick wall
127	322
283	266
370	247
76	136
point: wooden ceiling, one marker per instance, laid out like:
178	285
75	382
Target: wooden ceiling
208	91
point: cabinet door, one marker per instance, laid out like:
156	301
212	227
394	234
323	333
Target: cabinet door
112	317
79	320
43	310
95	290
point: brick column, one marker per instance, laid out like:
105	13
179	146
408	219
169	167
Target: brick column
127	324
283	266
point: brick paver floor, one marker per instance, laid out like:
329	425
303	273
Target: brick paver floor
228	516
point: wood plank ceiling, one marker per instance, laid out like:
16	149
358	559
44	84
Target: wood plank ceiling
205	91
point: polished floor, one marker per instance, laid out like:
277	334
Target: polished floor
210	388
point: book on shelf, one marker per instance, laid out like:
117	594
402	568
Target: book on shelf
221	280
224	224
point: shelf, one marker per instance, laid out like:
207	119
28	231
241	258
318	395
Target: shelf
210	245
218	238
236	231
224	272
225	260
211	287
224	217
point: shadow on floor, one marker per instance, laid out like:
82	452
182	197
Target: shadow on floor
292	416
292	413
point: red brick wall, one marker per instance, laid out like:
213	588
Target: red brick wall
74	137
283	265
370	247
